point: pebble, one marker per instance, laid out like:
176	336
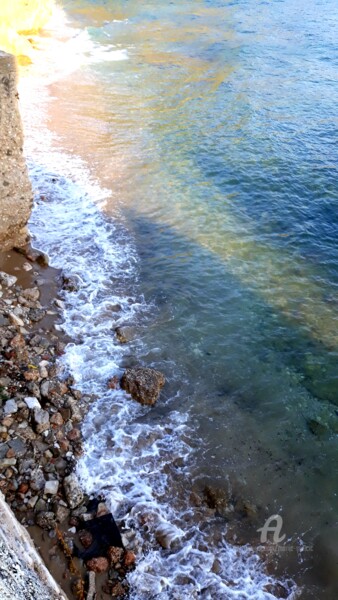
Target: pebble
32	402
73	491
45	519
10	407
16	320
51	487
41	420
7	280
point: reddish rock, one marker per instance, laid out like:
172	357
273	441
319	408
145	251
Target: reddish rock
23	488
10	453
98	565
57	420
113	383
32	375
118	591
74	435
143	384
86	538
129	559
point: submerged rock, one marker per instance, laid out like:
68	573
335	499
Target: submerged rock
143	384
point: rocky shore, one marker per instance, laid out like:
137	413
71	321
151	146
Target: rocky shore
40	440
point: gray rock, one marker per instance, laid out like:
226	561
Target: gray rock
7	280
3	449
19	446
61	513
41	420
73	491
32	402
37	480
10	407
51	487
143	384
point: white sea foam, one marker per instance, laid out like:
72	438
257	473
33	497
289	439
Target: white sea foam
130	454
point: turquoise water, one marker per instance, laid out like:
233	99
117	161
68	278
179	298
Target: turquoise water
214	131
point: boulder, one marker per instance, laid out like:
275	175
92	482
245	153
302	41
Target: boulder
143	384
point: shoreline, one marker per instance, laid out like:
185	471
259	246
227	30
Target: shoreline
41	438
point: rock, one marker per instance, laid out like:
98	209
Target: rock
7	280
73	491
74	435
125	334
10	407
18	446
37	479
32	501
61	513
118	591
7	462
16	320
45	520
115	555
57	420
86	538
143	384
129	559
71	283
113	382
102	509
41	420
98	565
51	487
32	402
31	294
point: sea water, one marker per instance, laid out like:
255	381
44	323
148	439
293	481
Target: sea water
184	160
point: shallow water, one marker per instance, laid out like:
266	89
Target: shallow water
193	145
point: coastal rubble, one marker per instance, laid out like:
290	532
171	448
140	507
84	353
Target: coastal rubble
40	440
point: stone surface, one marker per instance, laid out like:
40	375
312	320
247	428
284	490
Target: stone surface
143	384
7	280
98	565
15	187
10	407
32	402
41	420
73	491
46	519
51	487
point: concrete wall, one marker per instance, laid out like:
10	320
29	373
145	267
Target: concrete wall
15	187
23	574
